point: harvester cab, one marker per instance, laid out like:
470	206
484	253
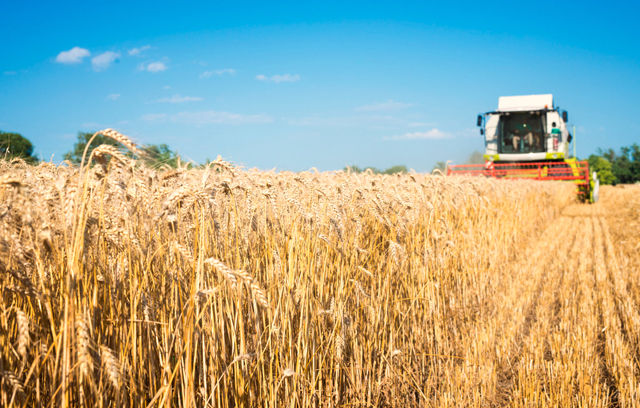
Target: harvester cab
527	137
525	129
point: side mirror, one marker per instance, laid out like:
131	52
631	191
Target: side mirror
565	116
481	131
479	120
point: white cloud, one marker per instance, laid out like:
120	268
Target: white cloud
180	99
218	72
431	134
137	51
73	56
113	97
157	66
10	72
279	78
386	106
166	87
208	118
102	61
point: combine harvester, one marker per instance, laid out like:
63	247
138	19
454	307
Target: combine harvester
527	138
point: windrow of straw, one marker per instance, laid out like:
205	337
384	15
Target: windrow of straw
215	286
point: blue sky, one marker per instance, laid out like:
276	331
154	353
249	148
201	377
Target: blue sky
327	84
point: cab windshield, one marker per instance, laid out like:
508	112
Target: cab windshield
521	132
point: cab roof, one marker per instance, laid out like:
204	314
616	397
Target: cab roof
525	103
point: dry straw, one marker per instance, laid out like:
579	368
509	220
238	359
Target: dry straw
219	286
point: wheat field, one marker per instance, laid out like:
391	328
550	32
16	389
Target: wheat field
215	286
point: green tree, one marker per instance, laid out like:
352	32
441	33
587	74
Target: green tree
154	155
603	168
15	145
396	169
442	166
353	169
157	155
475	158
625	166
75	155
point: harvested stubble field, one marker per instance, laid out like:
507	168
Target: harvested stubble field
124	286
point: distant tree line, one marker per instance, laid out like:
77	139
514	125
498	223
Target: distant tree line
390	170
611	167
474	158
155	155
14	145
617	168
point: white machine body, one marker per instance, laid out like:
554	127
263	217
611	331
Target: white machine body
525	128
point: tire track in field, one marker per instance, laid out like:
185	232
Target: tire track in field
579	351
574	334
556	305
560	252
532	385
606	371
558	257
540	379
625	354
558	333
625	305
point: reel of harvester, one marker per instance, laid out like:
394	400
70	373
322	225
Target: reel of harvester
569	170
